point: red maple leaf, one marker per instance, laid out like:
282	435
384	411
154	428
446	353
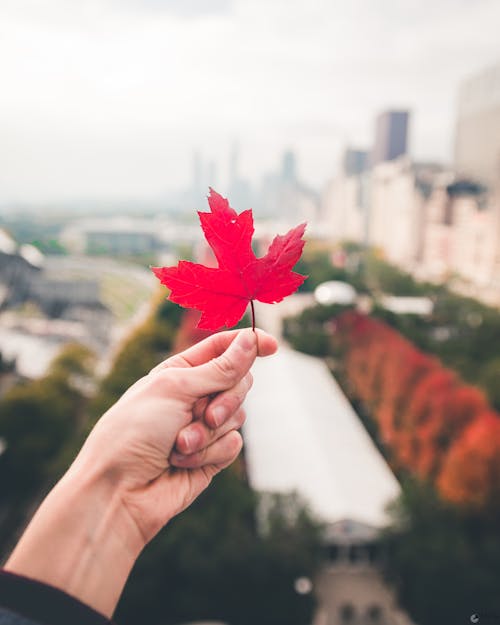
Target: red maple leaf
222	294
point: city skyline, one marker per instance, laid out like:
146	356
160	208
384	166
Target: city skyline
108	100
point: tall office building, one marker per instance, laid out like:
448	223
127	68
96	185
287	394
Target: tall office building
239	189
234	158
196	189
477	142
391	136
355	162
212	174
289	167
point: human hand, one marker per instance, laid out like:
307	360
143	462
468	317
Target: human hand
173	430
147	458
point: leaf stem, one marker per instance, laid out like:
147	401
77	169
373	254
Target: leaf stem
253	314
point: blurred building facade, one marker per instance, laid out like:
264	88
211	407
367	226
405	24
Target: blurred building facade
391	136
284	197
40	310
462	239
303	436
384	207
438	223
477	142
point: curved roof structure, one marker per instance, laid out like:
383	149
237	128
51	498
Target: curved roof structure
303	435
32	255
7	243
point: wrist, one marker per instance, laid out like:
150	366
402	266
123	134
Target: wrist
81	540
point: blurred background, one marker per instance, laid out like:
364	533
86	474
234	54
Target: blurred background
378	123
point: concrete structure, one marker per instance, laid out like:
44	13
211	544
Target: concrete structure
128	235
396	212
391	136
401	305
344	207
114	236
384	207
430	221
56	309
476	242
423	219
462	240
335	292
355	594
356	161
20	267
283	196
303	436
477	145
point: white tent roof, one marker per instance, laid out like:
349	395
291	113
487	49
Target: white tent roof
302	435
7	243
32	255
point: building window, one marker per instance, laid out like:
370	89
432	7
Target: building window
357	554
373	552
374	614
333	553
347	613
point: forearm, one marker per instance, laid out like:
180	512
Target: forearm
80	541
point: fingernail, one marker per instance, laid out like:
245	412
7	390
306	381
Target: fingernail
191	439
246	340
219	414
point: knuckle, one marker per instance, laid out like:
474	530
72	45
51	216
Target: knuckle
249	380
231	401
169	381
235	443
200	457
225	368
171	361
240	418
156	383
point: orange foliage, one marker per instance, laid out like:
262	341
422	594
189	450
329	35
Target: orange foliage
471	470
454	410
428	419
428	405
404	369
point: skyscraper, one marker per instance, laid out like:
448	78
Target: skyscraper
477	142
197	176
289	167
212	173
355	162
391	136
234	157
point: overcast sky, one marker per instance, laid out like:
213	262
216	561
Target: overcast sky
110	98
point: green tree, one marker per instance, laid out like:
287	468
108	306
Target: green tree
489	380
445	565
211	563
310	332
38	420
146	347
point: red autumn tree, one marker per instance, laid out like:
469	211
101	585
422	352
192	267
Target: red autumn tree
427	418
454	411
471	471
404	368
428	403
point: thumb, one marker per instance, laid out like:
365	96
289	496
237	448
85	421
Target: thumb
226	370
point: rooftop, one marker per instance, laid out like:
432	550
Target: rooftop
303	435
7	243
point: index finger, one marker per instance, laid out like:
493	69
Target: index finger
213	346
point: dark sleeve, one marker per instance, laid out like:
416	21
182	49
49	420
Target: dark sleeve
28	602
